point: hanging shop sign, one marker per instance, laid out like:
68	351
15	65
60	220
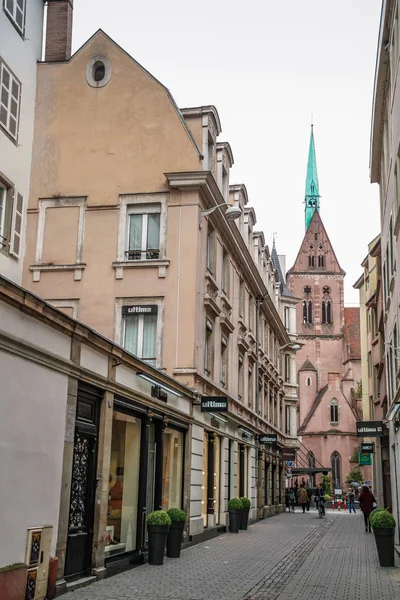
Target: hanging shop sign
364	459
368	448
214	404
140	309
369	429
289	453
268	438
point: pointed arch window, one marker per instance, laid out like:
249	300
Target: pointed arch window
321	260
311	260
336	470
326	312
334	411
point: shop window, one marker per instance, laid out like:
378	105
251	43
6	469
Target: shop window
121	529
140	331
172	473
209	348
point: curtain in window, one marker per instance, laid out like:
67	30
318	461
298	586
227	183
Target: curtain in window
153	231
131	333
149	337
135	232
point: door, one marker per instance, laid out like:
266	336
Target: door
83	484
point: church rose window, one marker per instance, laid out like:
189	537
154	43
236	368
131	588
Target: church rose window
326	289
307	289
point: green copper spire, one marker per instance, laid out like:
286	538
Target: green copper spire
312	189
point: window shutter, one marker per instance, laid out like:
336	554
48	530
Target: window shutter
16	225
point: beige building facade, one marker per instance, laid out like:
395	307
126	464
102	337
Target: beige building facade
127	233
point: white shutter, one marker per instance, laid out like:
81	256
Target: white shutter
16	225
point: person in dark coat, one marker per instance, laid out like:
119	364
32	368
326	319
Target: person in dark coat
367	502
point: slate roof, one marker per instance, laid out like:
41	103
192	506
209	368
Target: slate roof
277	265
307	366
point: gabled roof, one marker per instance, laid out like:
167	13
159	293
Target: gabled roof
301	266
277	265
100	32
307	366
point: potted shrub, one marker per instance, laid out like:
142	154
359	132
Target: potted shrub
244	519
383	525
235	507
158	523
174	539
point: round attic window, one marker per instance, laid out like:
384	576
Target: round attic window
98	71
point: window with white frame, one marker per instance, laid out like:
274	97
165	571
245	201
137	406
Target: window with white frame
224	362
250	399
287	368
240	377
140	331
15	10
11	219
287	318
143	236
3	208
209	348
10	97
211	243
241	298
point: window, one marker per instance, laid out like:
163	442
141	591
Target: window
307	312
144	233
251	313
140	336
287	420
240	377
10	97
334	411
15	10
210	260
287	368
224	361
225	273
326	310
287	318
250	398
173	443
336	474
208	348
308	381
99	70
321	260
224	184
11	215
311	260
241	298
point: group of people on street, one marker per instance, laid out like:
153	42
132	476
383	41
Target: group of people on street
303	497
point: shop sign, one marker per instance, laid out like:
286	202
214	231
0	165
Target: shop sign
364	459
369	429
214	403
268	438
368	448
140	309
289	453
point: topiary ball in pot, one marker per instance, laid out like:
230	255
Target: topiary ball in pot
235	507
174	539
244	519
158	523
383	525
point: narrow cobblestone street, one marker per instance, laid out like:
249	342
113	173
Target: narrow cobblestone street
288	556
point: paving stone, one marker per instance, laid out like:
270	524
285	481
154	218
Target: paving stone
281	558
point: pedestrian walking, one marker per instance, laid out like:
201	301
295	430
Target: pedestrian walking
303	497
320	498
309	494
350	500
367	503
292	500
287	505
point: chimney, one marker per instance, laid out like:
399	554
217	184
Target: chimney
58	30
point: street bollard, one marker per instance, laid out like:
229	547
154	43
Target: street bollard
333	502
339	503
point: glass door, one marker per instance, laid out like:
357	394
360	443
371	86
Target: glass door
151	472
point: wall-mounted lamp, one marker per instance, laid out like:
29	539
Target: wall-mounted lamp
156	382
215	416
231	213
291	346
245	431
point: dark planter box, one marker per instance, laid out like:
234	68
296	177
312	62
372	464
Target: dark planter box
174	540
244	518
235	515
157	540
384	539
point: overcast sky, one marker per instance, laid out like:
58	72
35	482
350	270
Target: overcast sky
267	65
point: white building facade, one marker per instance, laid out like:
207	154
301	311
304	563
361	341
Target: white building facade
21	31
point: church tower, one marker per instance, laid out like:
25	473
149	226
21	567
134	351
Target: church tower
328	409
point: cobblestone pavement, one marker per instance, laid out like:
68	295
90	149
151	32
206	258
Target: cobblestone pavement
281	558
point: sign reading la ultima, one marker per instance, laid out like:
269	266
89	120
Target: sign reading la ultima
369	429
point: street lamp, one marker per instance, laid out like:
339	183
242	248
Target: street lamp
232	213
291	346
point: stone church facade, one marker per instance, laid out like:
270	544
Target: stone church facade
329	362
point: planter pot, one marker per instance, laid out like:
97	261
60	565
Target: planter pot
384	539
235	514
244	518
174	540
157	539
